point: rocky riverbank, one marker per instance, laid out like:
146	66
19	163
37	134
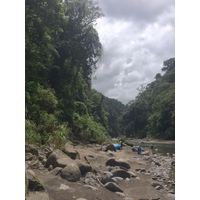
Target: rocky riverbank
89	172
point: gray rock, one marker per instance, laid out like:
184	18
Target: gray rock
90	187
120	194
64	187
44	161
105	180
31	149
108	174
157	185
110	147
71	151
116	179
71	172
133	175
120	173
81	199
41	157
58	159
113	187
56	171
34	164
28	156
119	162
84	167
50	167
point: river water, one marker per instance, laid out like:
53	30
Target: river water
159	148
162	149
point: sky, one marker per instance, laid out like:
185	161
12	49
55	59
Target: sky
137	37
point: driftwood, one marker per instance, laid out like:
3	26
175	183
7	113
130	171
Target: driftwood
94	171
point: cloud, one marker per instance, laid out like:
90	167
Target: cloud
137	36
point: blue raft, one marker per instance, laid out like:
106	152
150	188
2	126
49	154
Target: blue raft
118	146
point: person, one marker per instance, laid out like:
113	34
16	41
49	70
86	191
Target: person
139	150
152	146
121	144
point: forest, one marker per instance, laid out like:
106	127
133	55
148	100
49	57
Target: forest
62	51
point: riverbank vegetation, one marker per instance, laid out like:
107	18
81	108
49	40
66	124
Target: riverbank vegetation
62	51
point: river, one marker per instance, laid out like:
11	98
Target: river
163	148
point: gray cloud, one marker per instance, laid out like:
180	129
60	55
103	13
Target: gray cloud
137	36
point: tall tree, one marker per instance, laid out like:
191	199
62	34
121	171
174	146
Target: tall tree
152	113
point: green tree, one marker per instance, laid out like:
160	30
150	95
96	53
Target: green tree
152	113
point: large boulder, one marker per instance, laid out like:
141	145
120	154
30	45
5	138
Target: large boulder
120	173
71	151
71	172
119	162
58	159
84	167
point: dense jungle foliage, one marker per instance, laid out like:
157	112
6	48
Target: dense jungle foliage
152	113
62	50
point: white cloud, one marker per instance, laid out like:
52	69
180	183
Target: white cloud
136	39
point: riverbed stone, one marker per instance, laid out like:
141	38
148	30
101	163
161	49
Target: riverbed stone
71	173
113	187
71	151
58	159
120	173
118	162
